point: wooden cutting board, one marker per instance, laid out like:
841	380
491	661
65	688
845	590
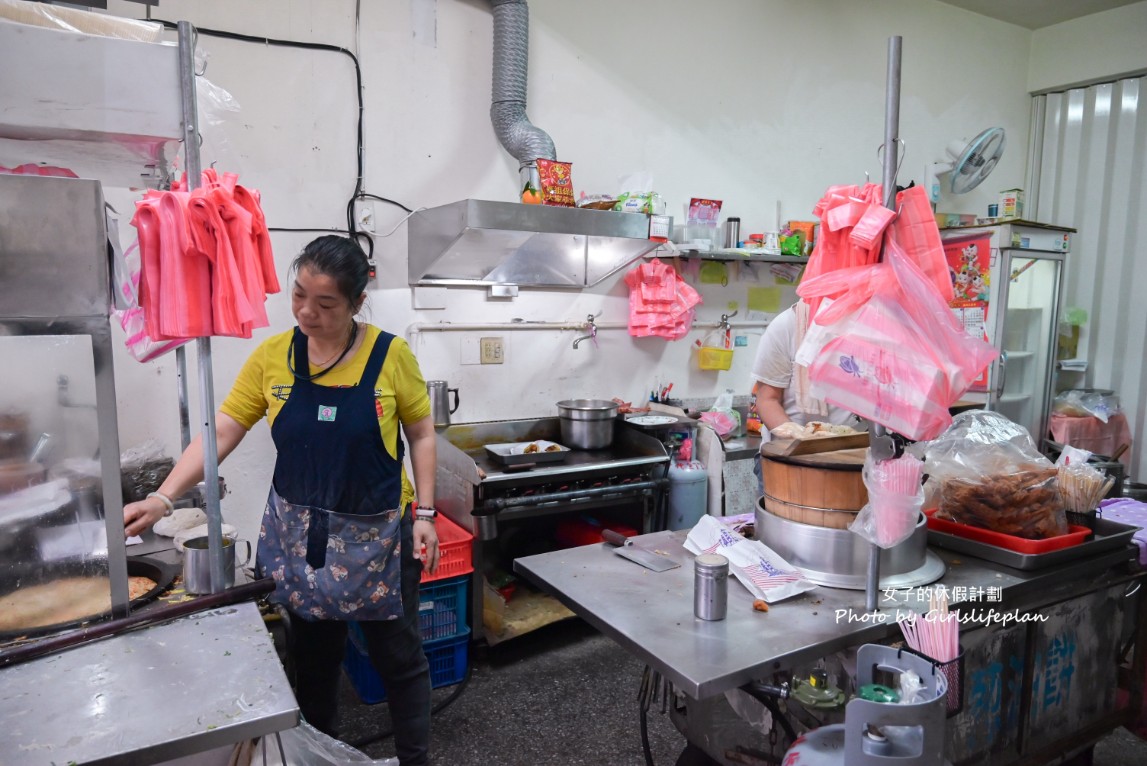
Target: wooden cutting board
787	447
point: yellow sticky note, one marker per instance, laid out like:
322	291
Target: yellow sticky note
765	299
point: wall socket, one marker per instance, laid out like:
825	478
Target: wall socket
491	351
364	216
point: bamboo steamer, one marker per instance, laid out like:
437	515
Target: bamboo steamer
824	490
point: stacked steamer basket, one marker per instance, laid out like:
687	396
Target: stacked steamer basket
810	500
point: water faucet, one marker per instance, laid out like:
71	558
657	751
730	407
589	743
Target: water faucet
589	325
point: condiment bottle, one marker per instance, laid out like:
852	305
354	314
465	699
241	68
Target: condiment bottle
710	586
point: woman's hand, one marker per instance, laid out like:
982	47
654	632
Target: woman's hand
141	516
426	544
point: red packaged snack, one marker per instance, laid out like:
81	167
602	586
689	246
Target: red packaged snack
557	182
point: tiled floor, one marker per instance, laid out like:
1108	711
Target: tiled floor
567	696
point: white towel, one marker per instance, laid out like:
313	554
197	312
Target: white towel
805	402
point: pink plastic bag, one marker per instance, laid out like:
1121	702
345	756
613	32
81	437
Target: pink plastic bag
660	302
916	233
870	228
900	359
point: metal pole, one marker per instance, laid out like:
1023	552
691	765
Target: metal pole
891	153
203	345
181	387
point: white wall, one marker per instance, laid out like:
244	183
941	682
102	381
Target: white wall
1084	50
750	101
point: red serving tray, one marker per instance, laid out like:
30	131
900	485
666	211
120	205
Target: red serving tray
1076	536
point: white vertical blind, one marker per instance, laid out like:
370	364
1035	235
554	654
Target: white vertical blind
1089	171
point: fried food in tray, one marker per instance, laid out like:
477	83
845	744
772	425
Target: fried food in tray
1026	503
518	453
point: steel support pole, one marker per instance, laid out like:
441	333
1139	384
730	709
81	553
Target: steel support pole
203	345
891	154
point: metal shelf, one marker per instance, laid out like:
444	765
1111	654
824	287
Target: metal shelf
730	255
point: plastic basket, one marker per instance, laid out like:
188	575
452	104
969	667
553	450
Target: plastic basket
710	358
442	608
455	551
448	658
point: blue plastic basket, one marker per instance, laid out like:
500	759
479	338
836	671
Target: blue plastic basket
442	608
448	659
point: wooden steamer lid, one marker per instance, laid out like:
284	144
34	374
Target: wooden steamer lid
825	489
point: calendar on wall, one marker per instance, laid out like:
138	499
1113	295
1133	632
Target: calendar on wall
969	265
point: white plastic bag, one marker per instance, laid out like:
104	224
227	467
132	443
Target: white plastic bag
721	416
764	573
305	745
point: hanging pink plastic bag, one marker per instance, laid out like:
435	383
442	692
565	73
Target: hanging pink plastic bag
900	359
916	233
878	370
660	302
870	228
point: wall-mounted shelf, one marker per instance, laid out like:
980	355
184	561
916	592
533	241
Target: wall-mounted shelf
730	255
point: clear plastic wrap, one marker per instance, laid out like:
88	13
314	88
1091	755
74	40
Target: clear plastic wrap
895	499
985	471
305	745
1081	404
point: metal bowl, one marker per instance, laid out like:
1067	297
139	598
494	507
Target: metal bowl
587	423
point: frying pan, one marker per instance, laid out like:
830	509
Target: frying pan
137	566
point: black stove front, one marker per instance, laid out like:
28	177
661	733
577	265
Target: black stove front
514	513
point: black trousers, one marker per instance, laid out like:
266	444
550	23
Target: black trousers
395	649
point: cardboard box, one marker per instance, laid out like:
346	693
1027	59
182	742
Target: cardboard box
1011	203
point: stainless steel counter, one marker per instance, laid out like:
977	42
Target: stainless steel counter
651	614
183	687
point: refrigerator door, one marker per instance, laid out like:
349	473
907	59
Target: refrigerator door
1027	313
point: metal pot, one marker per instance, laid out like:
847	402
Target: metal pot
1135	490
587	423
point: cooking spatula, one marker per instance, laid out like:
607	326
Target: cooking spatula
626	550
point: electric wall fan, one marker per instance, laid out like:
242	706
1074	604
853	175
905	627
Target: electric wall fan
968	163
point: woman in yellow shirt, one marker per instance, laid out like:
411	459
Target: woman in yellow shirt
338	534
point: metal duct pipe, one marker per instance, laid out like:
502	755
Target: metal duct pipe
521	138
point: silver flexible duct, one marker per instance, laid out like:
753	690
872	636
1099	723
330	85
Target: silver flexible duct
521	138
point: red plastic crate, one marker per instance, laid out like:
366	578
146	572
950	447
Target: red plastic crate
455	551
448	658
1076	535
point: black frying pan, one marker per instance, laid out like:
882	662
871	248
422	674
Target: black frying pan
137	566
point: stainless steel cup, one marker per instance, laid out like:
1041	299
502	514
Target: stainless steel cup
710	586
197	564
440	409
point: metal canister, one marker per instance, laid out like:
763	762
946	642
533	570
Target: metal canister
710	586
732	232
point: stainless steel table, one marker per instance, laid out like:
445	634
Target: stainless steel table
651	613
194	684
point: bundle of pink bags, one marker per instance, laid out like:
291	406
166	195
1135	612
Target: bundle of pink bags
884	343
661	303
206	265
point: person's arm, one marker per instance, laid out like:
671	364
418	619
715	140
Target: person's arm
770	405
424	459
188	471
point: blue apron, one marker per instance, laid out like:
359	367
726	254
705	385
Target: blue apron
330	532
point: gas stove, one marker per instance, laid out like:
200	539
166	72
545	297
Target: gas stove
503	506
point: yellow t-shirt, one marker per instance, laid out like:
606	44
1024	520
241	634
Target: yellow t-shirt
264	385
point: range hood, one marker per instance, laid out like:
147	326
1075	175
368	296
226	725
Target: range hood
477	242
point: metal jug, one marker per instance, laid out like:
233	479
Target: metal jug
440	409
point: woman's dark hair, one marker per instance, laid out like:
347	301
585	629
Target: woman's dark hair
339	258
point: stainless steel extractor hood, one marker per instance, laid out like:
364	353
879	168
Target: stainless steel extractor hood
476	242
